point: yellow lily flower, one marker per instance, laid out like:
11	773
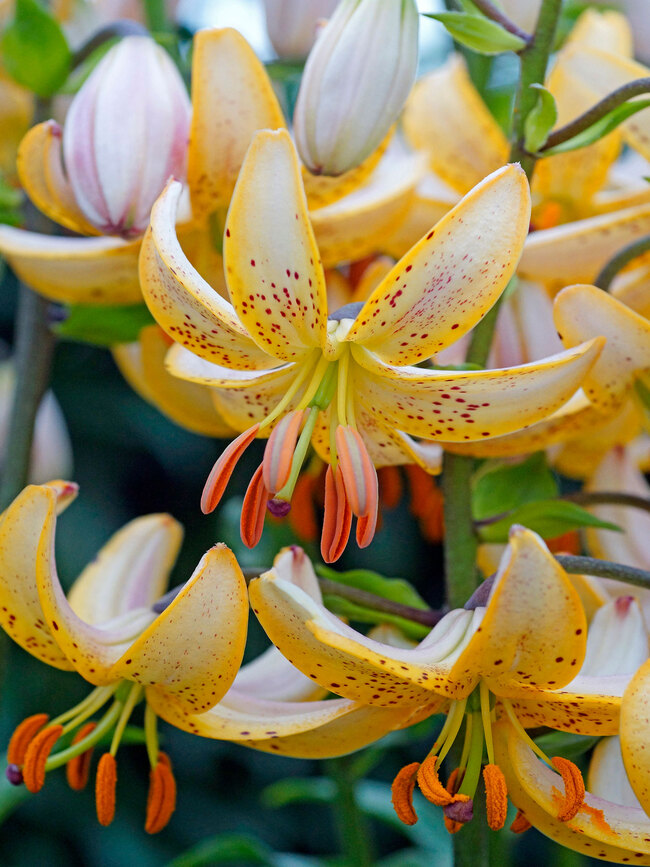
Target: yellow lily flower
634	735
16	112
108	631
232	97
280	368
525	645
580	219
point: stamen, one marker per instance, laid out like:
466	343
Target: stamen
342	389
151	736
86	708
366	527
22	736
337	519
323	373
161	801
223	469
460	811
457	714
521	731
294	387
455	779
36	755
496	796
303	518
77	770
135	694
452	826
299	455
402	789
520	823
486	715
359	473
103	727
254	509
105	784
574	788
432	788
278	454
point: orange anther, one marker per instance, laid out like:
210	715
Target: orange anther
451	825
278	454
221	472
105	784
337	519
36	755
302	517
454	781
359	473
78	769
164	758
520	823
496	796
22	736
161	801
402	789
253	509
390	486
432	788
574	788
366	527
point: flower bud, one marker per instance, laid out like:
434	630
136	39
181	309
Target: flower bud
291	24
356	80
126	132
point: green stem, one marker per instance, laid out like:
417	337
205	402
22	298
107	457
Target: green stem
156	15
611	498
460	539
620	260
603	569
33	350
353	831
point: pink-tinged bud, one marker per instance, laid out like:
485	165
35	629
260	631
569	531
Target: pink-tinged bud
356	80
292	24
126	132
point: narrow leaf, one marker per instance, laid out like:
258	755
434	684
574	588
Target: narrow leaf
540	120
565	744
599	129
104	326
499	487
395	589
361	614
549	518
478	33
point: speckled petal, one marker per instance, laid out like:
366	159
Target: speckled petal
182	363
462	406
429	204
142	364
582	312
534	630
40	168
576	251
74	270
635	734
352	665
315	729
184	305
131	570
21	525
358	224
449	280
601	829
232	97
193	650
273	269
445	117
244	401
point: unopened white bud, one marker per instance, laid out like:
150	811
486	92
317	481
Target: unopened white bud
126	132
356	80
292	24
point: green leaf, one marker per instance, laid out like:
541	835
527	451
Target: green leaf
293	790
104	326
225	848
478	33
359	613
501	487
549	518
540	120
599	129
34	49
565	744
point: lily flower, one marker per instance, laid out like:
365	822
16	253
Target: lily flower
523	647
292	24
282	369
187	652
610	823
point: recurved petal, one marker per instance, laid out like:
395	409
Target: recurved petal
358	224
472	405
582	312
193	650
635	732
606	30
534	630
607	776
184	305
445	117
232	97
315	729
21	614
576	251
131	570
273	268
271	676
352	665
601	829
40	168
449	280
74	270
142	364
246	400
